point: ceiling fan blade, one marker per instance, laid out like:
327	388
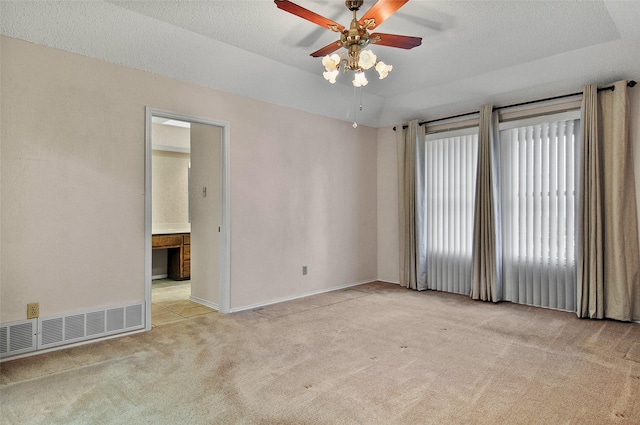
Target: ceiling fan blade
330	48
393	40
310	16
381	11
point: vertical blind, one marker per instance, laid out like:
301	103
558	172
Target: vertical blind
538	163
450	175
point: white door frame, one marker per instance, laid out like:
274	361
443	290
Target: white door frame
225	240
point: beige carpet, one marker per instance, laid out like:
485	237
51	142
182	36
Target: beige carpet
374	354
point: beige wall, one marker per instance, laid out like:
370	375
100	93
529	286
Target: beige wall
170	189
634	134
388	242
303	187
170	136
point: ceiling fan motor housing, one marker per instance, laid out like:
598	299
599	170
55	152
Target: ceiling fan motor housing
355	35
354	40
353	5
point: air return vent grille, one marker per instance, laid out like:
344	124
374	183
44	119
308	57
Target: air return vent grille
47	332
133	315
74	327
115	319
52	331
18	337
78	327
95	323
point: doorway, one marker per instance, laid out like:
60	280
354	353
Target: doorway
189	235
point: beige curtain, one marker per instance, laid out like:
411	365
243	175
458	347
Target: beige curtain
608	252
486	282
410	144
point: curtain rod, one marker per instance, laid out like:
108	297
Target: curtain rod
629	84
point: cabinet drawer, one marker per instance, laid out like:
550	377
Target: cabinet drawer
186	252
187	239
166	241
186	268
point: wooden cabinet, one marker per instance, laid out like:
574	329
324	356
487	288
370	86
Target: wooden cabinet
186	256
178	246
166	241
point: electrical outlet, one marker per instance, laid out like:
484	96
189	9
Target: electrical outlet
304	270
33	310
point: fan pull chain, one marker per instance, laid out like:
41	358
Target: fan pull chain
355	113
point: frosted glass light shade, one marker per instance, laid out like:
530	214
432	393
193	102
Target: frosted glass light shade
383	69
359	79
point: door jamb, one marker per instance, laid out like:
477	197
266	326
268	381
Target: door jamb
224	289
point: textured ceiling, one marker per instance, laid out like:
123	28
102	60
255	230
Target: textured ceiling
473	52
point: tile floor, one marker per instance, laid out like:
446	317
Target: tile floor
170	302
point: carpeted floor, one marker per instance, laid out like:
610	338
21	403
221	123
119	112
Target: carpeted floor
372	354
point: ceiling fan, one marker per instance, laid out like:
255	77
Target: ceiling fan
355	38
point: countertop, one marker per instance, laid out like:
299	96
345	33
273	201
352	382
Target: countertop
166	229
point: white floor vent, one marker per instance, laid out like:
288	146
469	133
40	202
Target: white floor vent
70	328
18	337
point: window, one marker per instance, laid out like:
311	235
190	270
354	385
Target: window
538	162
450	177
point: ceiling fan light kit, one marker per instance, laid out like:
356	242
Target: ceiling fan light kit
355	39
359	62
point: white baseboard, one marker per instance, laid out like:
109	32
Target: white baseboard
295	297
204	302
159	276
389	281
